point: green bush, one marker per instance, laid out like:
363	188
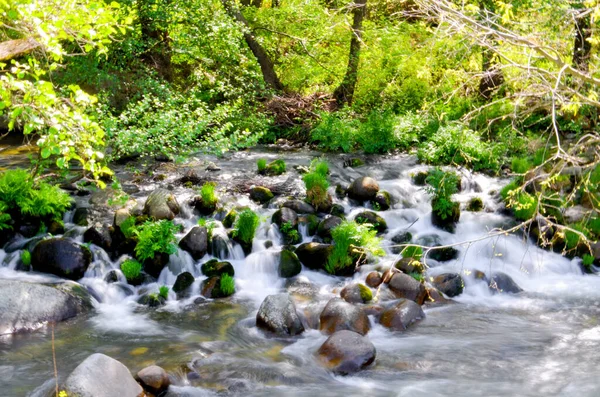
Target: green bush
347	234
131	269
4	217
291	235
208	195
442	185
377	133
227	285
156	237
261	164
163	292
336	132
245	226
520	165
316	189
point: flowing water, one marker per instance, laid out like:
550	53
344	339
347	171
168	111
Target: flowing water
543	341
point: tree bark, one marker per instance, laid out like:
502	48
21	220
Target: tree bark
492	76
156	36
344	93
266	64
582	48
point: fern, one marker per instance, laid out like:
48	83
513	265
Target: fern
156	237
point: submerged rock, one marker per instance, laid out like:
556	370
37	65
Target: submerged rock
340	315
26	306
377	222
154	379
161	204
451	284
404	286
314	255
363	189
503	283
346	352
195	242
101	376
402	315
277	314
289	264
62	257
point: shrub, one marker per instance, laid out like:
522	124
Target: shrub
156	237
163	292
207	192
588	261
376	134
320	167
347	234
128	227
412	252
245	226
442	185
261	164
131	269
520	165
227	285
316	189
336	132
25	257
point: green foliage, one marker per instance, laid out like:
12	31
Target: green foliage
417	276
412	252
26	257
163	292
572	239
261	164
505	191
207	192
335	132
442	185
588	261
156	237
128	227
320	167
131	269
316	188
290	233
227	285
4	218
347	234
377	133
520	165
210	225
275	167
525	205
245	226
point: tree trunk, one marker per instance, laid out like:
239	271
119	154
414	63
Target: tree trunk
582	48
155	36
266	65
492	76
344	93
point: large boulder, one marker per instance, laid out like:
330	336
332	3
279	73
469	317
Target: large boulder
61	256
371	218
195	242
161	204
451	284
326	226
363	189
346	352
277	314
404	286
402	315
289	264
99	234
340	315
101	376
299	206
314	255
154	379
285	216
503	283
26	306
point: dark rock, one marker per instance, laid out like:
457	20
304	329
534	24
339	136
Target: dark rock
340	191
216	268
203	207
299	206
154	266
449	222
314	255
195	242
268	244
56	228
183	282
402	315
80	216
154	379
277	314
338	210
420	178
400	239
111	277
346	352
219	246
374	279
260	194
161	204
356	293
285	216
443	254
100	235
229	219
409	265
363	189
340	315
382	201
62	257
373	219
404	286
28	306
101	376
326	225
451	284
503	283
211	288
289	264
312	221
151	300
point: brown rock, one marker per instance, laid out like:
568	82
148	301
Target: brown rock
154	379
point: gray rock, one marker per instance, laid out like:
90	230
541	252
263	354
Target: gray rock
183	282
402	315
326	226
363	189
289	264
314	255
299	206
340	315
503	283
80	216
100	235
161	204
195	242
260	194
26	306
346	352
277	314
404	286
62	257
451	284
101	376
285	216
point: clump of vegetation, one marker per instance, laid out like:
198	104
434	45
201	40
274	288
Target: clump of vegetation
261	164
245	226
520	165
441	186
26	258
320	167
156	237
208	196
227	285
417	276
377	133
350	234
317	184
588	262
275	167
412	252
290	234
131	269
128	227
163	292
210	225
336	132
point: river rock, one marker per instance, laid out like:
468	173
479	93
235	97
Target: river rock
152	300
81	215
449	222
299	206
443	254
26	306
260	194
314	255
161	204
340	315
383	200
100	235
399	239
211	288
195	242
475	204
503	283
326	225
215	267
219	246
277	314
153	266
356	293
154	379
404	286
451	284
62	257
121	215
346	352
374	279
101	376
402	315
363	189
377	222
302	289
289	264
183	282
285	216
409	265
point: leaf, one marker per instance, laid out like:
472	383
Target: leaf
45	153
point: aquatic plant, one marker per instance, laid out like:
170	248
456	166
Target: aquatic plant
245	226
128	227
276	167
131	269
156	237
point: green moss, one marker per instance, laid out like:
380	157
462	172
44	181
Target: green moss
261	164
417	276
208	195
525	206
131	269
245	226
229	219
572	239
276	167
365	293
227	285
163	292
475	204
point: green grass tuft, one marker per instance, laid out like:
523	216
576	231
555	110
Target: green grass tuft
163	292
350	233
131	269
26	258
207	192
261	164
227	285
245	226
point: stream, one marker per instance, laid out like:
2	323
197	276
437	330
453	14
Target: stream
542	341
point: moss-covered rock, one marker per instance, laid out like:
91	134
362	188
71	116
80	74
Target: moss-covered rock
475	204
382	201
261	194
215	267
371	218
289	264
275	167
356	293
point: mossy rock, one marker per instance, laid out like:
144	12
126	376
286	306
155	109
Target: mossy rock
261	194
338	210
382	201
151	300
409	265
356	293
276	167
475	204
215	267
289	264
420	178
212	287
229	219
369	217
313	223
448	222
